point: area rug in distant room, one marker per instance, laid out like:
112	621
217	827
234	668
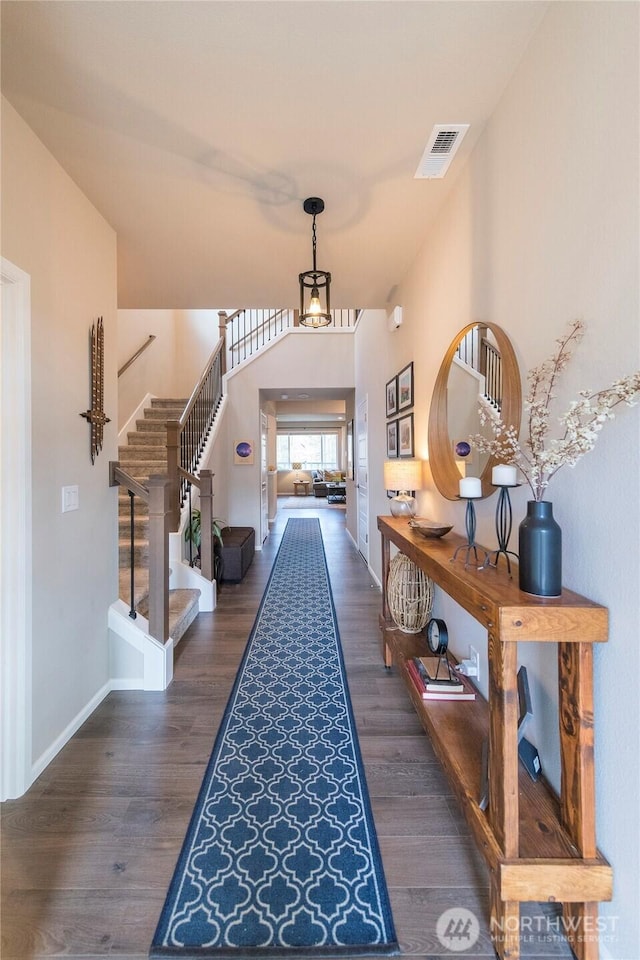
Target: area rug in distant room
308	503
281	856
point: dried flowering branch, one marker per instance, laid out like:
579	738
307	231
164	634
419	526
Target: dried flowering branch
541	457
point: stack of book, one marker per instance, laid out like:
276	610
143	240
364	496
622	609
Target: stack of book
435	679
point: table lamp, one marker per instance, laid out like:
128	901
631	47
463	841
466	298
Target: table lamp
297	466
403	476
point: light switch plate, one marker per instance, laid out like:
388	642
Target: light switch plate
70	498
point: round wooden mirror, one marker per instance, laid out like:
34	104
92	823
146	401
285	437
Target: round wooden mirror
480	360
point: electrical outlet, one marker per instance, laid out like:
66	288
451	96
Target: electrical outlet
471	666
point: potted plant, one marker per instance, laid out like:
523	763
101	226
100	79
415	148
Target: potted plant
193	535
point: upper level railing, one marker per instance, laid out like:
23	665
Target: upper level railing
479	353
248	330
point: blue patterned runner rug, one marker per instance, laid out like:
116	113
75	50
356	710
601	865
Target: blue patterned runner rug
281	857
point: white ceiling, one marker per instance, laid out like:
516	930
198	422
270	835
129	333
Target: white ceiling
308	404
198	128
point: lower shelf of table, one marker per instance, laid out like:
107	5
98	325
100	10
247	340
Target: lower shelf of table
548	865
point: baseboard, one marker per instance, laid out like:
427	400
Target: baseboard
138	414
156	676
45	759
372	573
122	684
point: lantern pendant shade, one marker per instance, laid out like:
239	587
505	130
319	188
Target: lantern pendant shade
315	285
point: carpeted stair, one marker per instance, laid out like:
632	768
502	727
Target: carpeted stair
145	454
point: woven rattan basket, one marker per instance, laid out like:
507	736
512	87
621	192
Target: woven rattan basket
409	594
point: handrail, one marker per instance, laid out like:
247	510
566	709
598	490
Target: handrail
228	318
254	332
187	437
157	496
135	356
124	479
195	393
190	477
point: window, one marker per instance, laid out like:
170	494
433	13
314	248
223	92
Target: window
315	451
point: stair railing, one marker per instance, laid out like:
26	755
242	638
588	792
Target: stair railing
186	437
204	483
156	495
242	333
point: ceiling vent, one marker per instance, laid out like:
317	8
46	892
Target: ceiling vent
440	150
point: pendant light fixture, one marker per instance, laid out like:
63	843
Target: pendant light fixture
314	284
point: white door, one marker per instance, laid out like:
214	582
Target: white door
362	478
264	476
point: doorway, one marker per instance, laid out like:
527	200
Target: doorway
362	478
15	532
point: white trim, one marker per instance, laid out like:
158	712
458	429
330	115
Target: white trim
157	673
287	332
15	533
185	577
138	414
51	752
157	660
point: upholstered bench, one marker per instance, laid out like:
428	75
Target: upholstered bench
238	547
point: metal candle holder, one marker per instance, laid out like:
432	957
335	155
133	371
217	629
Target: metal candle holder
471	547
504	523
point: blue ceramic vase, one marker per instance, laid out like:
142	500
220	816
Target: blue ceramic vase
540	551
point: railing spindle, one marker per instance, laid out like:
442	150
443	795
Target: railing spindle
132	537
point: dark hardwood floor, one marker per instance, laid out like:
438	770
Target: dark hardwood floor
88	853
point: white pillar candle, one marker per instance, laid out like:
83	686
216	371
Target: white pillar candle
470	487
504	475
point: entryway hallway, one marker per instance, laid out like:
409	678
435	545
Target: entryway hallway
88	852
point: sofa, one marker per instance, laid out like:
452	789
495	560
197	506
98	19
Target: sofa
320	479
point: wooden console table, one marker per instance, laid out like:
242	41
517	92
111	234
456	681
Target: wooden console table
537	846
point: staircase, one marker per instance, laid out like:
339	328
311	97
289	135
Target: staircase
145	454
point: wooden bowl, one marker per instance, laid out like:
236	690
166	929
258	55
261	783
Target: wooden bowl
431	529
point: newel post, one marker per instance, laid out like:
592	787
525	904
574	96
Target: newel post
206	524
159	557
222	333
173	459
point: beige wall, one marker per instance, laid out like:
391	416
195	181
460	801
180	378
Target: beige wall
172	364
53	233
542	226
324	360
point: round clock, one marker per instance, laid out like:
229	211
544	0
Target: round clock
437	637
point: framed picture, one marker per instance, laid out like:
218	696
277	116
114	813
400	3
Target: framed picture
350	450
405	388
392	439
392	397
405	435
243	452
